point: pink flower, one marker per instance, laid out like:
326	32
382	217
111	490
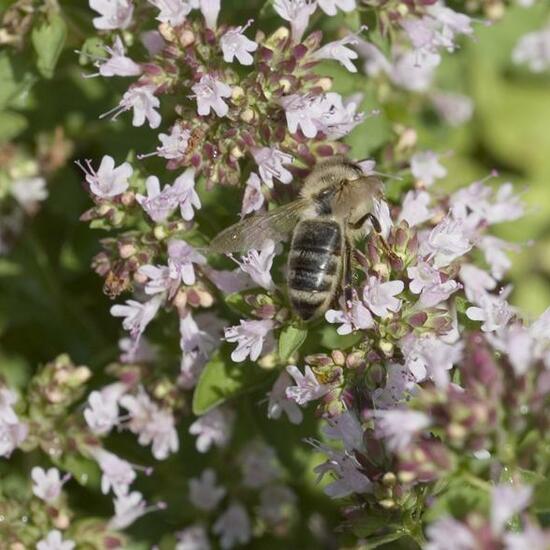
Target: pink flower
47	485
118	474
54	541
353	316
143	101
235	44
203	492
450	534
253	198
279	402
399	427
137	315
330	7
257	264
454	109
493	249
233	527
346	428
158	204
380	297
339	52
307	386
425	166
118	64
250	337
423	276
415	210
446	242
297	13
477	282
101	414
12	434
172	12
128	508
174	144
493	311
270	162
108	181
115	14
506	502
181	257
213	428
209	93
210	10
533	49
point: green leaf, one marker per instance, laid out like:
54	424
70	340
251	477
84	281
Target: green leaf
14	77
48	39
222	379
332	340
541	498
375	520
290	341
7	267
84	470
11	125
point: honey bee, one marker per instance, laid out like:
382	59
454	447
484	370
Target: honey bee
335	202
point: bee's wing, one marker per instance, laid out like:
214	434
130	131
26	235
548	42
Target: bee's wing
252	232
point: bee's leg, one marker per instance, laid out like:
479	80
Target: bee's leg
378	228
347	282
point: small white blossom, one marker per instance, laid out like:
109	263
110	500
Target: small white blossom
203	492
307	386
493	249
425	166
353	316
493	311
399	384
130	507
398	427
250	337
47	485
253	198
181	257
174	144
137	315
192	538
506	502
415	209
446	242
330	7
233	527
380	297
118	64
532	537
8	398
279	402
54	541
210	93
28	192
297	13
213	428
533	50
118	474
270	162
339	52
259	465
235	44
477	282
101	414
108	181
450	534
258	263
12	434
172	12
143	101
115	14
454	109
346	428
210	10
276	502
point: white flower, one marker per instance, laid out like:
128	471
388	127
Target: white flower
12	434
203	492
181	257
297	13
192	538
446	242
253	198
47	485
533	49
275	503
506	502
477	282
54	540
101	414
257	264
279	402
423	276
115	14
235	44
425	166
128	508
415	210
339	52
532	537
270	162
158	204
380	297
193	339
259	465
399	384
307	386
8	398
346	428
28	192
143	101
213	428
210	93
507	206
398	427
493	249
172	12
174	144
137	315
117	64
210	10
493	311
411	73
450	534
108	181
154	425
381	212
233	526
250	337
353	316
454	109
330	7
118	474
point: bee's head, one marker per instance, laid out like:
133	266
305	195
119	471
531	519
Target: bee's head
330	173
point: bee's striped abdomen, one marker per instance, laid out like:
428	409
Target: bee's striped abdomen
314	266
